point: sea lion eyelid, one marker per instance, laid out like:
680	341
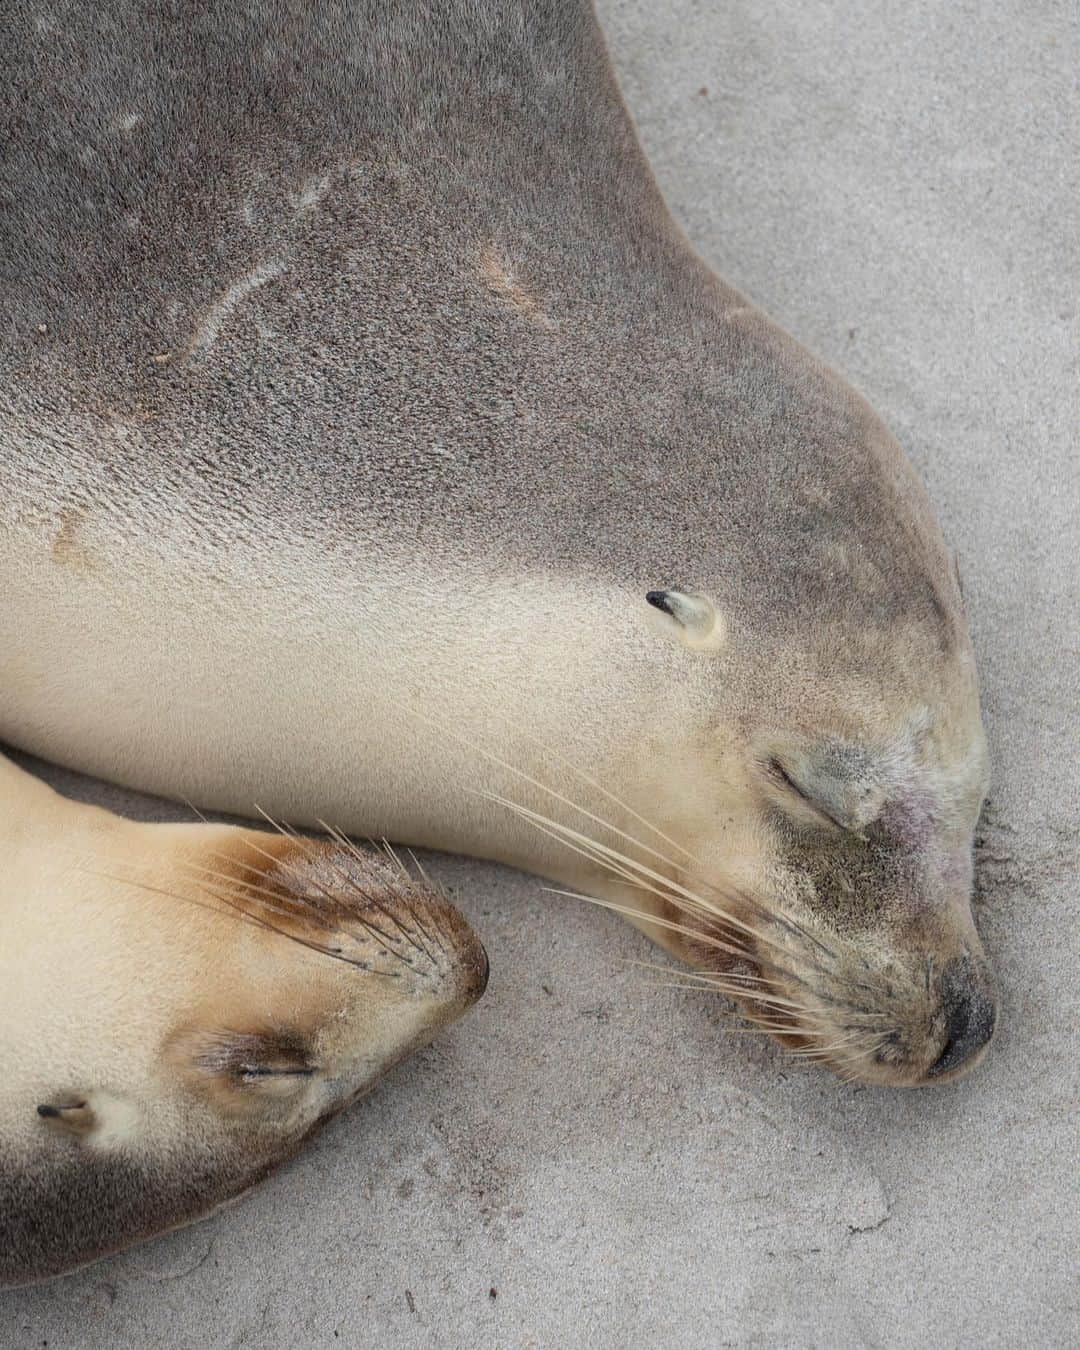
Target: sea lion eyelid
778	774
235	1060
254	1072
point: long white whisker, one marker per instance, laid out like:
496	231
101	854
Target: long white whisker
784	920
592	782
672	889
416	711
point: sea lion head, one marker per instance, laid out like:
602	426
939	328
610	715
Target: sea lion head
184	1005
821	761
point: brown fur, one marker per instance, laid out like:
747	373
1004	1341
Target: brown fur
180	1006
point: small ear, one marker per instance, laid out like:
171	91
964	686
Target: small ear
690	617
99	1118
71	1115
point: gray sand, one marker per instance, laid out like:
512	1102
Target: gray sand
588	1160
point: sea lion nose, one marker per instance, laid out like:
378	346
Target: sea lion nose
970	1010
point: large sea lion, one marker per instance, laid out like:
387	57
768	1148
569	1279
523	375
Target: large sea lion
375	447
182	1005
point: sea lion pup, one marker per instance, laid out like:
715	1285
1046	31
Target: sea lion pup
373	439
182	1005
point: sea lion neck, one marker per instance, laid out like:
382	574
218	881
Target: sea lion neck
209	148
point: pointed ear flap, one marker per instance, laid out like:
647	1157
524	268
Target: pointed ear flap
70	1115
97	1118
690	617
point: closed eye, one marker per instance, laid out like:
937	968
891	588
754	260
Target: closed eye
777	774
253	1073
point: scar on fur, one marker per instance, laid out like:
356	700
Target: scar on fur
206	334
500	279
67	548
311	193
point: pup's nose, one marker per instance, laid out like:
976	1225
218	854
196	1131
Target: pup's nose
971	1014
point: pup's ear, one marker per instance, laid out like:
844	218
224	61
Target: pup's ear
98	1118
692	618
70	1114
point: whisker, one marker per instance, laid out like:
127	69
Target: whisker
389	851
735	985
235	910
372	899
406	899
656	920
672	889
592	782
270	899
769	1002
706	939
347	844
381	937
417	864
574	806
689	974
417	711
784	920
194	810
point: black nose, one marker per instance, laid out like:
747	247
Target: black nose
970	1012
